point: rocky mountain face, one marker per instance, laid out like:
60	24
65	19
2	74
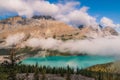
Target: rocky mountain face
34	27
44	28
16	31
109	31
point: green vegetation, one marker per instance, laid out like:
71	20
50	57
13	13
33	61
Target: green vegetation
10	69
10	72
101	72
100	75
101	68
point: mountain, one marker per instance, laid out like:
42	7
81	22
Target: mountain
48	27
16	31
109	31
43	17
34	27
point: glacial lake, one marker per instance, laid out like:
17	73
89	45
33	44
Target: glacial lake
83	61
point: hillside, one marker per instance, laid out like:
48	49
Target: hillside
41	36
33	27
113	67
45	28
32	35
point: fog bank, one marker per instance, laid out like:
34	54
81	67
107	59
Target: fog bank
98	46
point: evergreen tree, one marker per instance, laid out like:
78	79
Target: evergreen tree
36	74
12	66
68	73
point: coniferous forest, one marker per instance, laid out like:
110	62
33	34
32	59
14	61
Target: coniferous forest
14	70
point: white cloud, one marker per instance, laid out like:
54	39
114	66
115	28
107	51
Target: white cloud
29	7
67	7
19	6
14	39
107	22
66	12
44	7
36	42
98	46
71	15
107	46
81	17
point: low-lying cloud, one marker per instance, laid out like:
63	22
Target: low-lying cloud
14	39
98	46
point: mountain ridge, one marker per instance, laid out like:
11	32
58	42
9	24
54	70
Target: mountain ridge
49	28
44	36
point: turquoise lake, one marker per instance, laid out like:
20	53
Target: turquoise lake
83	61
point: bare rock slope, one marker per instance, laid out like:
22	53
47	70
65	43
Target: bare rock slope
43	28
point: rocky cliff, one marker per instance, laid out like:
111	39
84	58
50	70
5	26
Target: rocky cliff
45	28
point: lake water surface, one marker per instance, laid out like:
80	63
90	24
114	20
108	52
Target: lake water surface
83	61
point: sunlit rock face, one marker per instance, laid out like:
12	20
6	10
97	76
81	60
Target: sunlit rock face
17	31
34	27
45	27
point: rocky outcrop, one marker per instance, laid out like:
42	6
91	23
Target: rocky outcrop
43	17
35	27
109	31
45	28
54	77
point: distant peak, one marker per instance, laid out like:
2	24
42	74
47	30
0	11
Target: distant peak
43	17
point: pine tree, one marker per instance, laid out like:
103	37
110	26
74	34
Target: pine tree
68	73
36	74
12	66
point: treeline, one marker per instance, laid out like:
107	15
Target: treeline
98	75
10	69
6	72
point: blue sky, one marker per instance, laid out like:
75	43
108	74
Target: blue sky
106	10
100	8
